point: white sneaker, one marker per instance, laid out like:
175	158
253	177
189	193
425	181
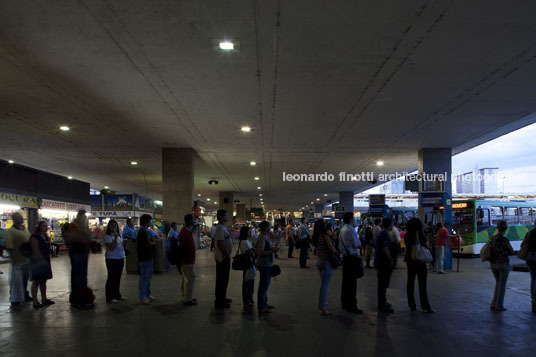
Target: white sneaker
123	299
152	298
146	302
114	301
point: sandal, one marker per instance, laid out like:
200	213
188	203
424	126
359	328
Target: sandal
37	306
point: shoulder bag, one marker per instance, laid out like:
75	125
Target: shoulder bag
485	252
420	253
242	261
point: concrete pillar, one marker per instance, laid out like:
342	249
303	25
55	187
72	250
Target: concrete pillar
346	200
241	211
177	183
436	161
225	201
318	209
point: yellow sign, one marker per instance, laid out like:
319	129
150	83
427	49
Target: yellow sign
459	205
18	200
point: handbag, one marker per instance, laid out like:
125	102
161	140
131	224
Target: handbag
242	261
275	271
335	260
485	252
524	251
420	253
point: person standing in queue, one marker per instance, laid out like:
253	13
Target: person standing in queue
349	244
500	264
115	261
128	230
369	245
384	264
440	243
79	240
40	264
223	251
304	235
248	276
530	239
290	239
145	247
415	233
173	232
187	261
20	265
265	261
324	247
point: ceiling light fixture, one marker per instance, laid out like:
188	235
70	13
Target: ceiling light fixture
260	194
11	161
318	199
325	194
379	163
64	128
226	46
198	195
253	163
69	177
208	199
257	179
245	129
106	187
133	163
258	187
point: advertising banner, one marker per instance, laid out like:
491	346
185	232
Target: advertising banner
118	202
19	200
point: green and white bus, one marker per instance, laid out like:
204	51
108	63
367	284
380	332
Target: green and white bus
476	221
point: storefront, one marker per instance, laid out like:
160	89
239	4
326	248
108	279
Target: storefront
10	203
56	213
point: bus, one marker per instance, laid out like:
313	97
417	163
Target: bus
476	221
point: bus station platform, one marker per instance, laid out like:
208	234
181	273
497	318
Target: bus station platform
462	325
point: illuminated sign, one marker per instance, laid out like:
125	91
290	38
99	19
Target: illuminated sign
459	205
18	200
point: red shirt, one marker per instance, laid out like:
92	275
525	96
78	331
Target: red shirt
186	237
442	236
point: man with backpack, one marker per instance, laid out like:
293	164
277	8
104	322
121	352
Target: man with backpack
17	239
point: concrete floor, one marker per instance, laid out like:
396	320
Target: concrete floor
462	325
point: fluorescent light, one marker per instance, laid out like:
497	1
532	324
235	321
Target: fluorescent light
11	161
253	163
257	179
245	129
226	46
64	128
379	163
69	177
134	163
9	207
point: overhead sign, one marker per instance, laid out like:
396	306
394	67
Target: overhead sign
63	206
115	213
19	200
376	200
432	199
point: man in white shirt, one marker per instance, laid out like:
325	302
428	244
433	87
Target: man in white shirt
395	241
222	254
349	244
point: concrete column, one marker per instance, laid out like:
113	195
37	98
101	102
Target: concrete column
437	161
177	183
241	211
346	200
225	201
319	208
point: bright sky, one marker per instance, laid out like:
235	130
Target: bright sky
514	154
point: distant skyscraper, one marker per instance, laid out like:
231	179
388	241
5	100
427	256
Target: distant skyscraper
478	181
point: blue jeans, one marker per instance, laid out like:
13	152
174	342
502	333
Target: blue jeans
264	282
325	270
79	262
500	272
146	274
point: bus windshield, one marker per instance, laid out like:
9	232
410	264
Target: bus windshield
463	221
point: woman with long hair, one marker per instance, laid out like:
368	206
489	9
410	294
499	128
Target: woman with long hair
40	264
324	247
265	261
115	261
500	264
417	269
248	276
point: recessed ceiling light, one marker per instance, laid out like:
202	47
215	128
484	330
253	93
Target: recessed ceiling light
257	179
11	161
253	163
64	128
312	203
325	194
208	199
198	195
260	194
379	163
318	199
226	46
245	129
106	187
215	202
69	177
258	187
134	163
306	205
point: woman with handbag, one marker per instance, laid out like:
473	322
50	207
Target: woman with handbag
500	264
265	261
415	236
530	259
248	275
324	248
115	261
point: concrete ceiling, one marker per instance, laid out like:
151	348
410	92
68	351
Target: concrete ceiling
326	86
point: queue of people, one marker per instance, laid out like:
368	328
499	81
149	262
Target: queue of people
333	246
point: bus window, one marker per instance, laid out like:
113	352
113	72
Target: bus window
496	214
511	215
409	215
482	215
525	217
463	221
